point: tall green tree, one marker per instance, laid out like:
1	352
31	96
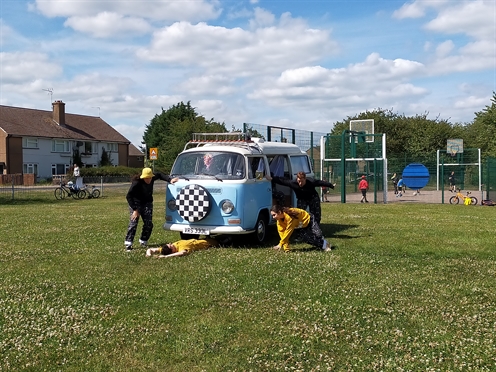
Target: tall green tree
170	130
482	132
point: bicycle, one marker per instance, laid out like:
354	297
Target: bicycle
467	200
68	190
94	193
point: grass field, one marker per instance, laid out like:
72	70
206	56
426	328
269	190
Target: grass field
409	287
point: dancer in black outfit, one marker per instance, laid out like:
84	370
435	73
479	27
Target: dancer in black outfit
140	200
305	192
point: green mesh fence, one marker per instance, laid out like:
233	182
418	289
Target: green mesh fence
489	178
365	158
348	157
307	141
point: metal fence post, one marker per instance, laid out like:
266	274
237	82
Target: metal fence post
13	189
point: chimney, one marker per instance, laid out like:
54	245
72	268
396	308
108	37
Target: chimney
59	112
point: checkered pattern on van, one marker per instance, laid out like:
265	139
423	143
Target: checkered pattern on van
193	203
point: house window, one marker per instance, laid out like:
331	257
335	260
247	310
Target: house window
90	148
114	147
60	169
60	146
30	142
28	168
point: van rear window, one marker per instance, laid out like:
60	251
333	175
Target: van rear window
300	164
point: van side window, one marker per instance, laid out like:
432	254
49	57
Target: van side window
300	164
256	168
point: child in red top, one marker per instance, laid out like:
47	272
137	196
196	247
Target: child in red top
363	186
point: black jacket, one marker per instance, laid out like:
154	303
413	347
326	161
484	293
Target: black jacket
140	193
306	192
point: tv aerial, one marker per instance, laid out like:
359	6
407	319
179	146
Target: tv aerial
49	91
98	107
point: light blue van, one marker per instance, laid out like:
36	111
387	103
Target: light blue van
222	189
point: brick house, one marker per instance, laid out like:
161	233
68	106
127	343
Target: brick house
44	142
136	157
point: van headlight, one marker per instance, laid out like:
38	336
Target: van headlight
227	206
171	204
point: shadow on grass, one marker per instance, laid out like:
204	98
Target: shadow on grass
40	201
331	230
30	201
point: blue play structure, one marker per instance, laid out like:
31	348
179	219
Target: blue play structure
415	176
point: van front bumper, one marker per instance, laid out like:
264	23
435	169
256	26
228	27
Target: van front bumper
213	230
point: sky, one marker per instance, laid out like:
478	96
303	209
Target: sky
303	64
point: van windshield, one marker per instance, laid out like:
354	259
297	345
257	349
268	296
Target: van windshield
222	165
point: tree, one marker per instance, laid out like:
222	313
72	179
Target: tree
481	133
105	159
170	130
417	136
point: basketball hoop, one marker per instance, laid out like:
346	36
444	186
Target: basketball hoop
454	146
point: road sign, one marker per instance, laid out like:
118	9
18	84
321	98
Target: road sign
153	153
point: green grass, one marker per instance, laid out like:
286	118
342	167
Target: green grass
409	287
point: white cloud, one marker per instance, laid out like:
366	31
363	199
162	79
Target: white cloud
472	103
262	18
473	18
472	57
238	52
444	48
107	24
22	67
374	80
410	10
160	10
208	85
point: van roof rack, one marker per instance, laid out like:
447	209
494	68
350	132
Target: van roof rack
228	139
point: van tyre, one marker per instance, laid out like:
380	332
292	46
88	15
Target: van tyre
261	226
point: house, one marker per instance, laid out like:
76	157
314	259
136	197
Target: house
45	143
136	157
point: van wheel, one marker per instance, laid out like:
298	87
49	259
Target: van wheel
260	229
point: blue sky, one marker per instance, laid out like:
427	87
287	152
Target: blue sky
298	64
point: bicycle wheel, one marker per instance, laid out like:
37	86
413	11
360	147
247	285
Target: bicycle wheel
474	200
81	194
95	193
454	200
59	193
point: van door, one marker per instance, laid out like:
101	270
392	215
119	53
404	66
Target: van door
258	190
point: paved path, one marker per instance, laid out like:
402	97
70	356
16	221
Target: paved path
427	196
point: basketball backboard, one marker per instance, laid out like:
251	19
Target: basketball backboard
365	125
454	146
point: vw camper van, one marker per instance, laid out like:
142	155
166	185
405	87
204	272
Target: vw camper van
222	189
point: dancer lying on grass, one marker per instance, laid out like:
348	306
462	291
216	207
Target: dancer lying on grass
181	247
288	219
